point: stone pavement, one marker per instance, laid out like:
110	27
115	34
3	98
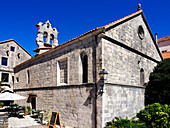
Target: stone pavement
26	122
37	126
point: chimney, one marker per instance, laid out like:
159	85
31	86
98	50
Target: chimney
156	38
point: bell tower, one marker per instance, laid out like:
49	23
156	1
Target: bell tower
46	37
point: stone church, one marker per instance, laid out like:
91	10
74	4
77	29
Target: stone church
66	77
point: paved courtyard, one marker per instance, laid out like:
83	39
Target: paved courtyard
14	122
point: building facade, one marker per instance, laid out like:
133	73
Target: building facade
11	54
66	77
164	46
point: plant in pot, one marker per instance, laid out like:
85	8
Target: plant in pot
1	104
28	110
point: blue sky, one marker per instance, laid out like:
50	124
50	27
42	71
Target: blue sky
74	17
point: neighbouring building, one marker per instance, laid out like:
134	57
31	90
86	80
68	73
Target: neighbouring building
164	46
11	54
66	77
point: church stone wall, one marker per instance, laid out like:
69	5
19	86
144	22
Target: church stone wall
74	100
123	64
75	104
124	94
127	33
44	70
121	101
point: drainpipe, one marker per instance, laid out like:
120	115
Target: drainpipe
95	58
95	86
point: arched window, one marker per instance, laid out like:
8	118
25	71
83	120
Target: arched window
142	77
84	66
51	39
45	37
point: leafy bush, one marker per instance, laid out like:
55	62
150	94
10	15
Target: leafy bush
47	116
1	103
155	116
158	89
124	123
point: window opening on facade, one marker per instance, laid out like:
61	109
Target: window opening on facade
13	81
164	51
51	39
142	79
17	79
7	53
12	49
4	61
141	33
28	77
45	37
5	77
19	55
84	66
48	25
63	71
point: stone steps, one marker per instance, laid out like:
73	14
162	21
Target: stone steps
3	121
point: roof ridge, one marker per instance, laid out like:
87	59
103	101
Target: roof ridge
122	18
119	20
6	40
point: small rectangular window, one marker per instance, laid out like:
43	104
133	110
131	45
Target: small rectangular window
164	51
4	77
4	61
63	71
12	48
28	77
17	79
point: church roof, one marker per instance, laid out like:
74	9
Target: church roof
102	29
106	26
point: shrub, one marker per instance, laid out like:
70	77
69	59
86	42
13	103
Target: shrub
1	103
155	116
47	116
124	123
158	89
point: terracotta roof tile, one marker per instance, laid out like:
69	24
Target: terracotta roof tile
164	38
166	55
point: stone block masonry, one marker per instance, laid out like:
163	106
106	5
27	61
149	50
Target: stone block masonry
74	103
122	101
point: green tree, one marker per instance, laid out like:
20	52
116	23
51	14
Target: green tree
158	89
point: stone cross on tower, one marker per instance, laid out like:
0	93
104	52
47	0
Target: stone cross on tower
46	37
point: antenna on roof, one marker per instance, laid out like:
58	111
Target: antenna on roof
139	7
